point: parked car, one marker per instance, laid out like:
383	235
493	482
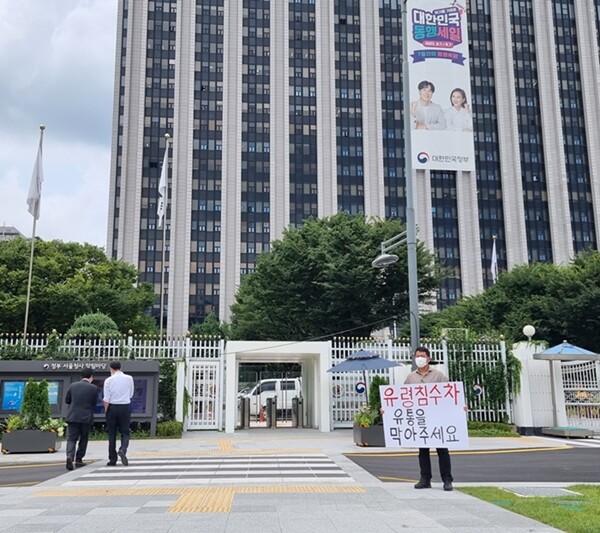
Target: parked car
282	389
243	392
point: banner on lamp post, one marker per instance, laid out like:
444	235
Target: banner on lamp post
441	114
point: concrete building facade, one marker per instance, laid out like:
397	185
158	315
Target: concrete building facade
283	110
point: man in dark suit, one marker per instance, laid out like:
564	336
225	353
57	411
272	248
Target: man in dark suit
82	397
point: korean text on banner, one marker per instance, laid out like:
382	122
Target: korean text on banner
427	415
440	86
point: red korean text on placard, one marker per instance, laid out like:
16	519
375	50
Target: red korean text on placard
389	398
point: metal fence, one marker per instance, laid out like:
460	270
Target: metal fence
481	367
581	383
120	347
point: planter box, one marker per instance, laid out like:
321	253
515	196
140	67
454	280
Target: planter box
371	436
30	441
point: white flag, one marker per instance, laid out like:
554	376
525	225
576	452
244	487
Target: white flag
494	263
35	187
162	188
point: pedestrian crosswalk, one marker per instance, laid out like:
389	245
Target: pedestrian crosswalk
594	442
204	469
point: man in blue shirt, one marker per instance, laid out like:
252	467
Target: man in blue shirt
118	391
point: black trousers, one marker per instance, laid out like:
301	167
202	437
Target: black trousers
118	418
77	431
444	460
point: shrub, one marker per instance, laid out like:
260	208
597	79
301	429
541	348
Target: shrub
167	390
365	417
93	325
13	423
54	350
17	352
375	397
35	409
491	429
58	425
171	428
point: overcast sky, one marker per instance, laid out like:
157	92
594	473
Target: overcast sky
57	68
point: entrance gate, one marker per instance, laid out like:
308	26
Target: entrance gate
205	395
581	384
279	386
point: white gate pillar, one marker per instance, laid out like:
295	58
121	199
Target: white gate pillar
180	392
541	400
230	391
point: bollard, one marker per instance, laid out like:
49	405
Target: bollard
268	411
274	413
271	412
241	411
300	412
295	412
245	412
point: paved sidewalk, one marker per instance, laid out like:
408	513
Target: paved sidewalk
279	481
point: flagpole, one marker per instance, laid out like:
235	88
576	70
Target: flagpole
162	214
33	199
29	281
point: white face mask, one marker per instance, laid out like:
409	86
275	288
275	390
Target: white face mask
421	362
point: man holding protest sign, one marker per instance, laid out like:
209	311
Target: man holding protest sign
428	411
425	374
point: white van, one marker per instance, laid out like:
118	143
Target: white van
284	389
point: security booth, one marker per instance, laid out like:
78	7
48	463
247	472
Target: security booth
14	375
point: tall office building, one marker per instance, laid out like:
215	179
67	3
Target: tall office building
286	109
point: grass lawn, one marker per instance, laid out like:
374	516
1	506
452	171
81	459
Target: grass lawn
573	514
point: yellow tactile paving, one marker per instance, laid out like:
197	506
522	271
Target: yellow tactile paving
226	446
206	499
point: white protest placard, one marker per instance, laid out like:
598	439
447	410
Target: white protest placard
425	415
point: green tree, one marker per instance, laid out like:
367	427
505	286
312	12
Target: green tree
92	326
562	302
167	390
318	281
69	280
35	409
211	327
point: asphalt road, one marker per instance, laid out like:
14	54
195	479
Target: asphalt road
572	465
27	474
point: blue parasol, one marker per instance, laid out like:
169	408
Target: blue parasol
566	352
361	361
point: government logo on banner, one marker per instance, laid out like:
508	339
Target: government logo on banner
440	86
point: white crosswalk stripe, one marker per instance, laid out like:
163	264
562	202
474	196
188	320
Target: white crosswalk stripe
594	442
262	468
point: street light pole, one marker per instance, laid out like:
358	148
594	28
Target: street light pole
411	227
410	235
